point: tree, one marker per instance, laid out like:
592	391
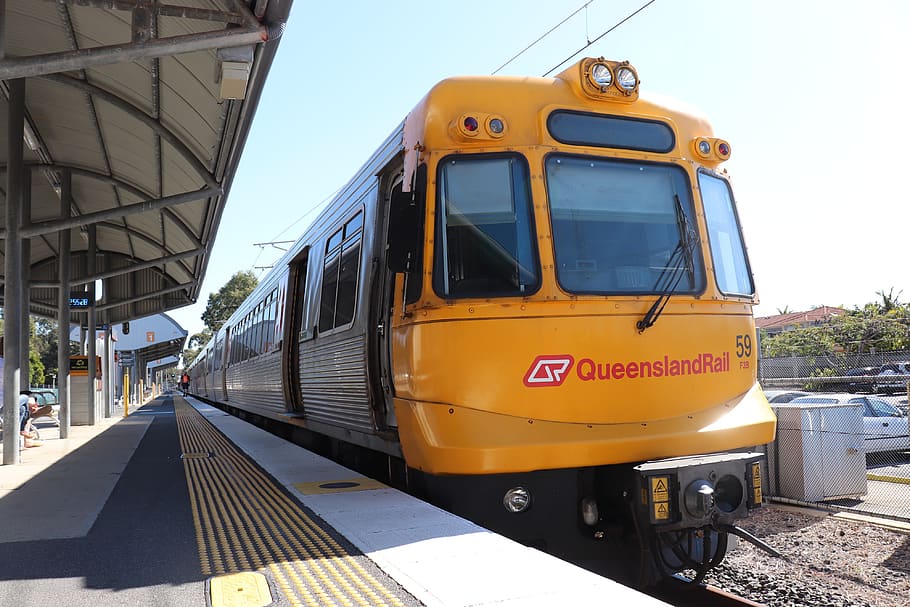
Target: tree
223	303
806	341
44	342
35	369
195	344
219	308
875	327
889	300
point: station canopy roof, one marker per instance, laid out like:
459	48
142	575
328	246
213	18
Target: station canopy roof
140	109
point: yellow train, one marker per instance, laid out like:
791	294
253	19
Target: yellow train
535	298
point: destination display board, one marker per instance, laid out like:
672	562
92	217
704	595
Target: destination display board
80	300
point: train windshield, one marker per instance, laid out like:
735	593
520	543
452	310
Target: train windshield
485	237
618	227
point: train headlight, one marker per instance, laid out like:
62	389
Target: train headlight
517	499
728	493
601	75
699	498
603	79
589	512
626	79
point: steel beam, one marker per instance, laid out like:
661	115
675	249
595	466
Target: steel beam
123	302
63	307
89	219
118	183
163	10
66	61
92	326
13	266
151	263
24	277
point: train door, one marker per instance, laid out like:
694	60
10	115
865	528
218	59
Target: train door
295	328
382	305
400	281
402	267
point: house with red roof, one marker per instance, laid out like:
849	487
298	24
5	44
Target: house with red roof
772	325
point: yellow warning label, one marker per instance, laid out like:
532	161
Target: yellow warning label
757	495
756	475
661	511
660	488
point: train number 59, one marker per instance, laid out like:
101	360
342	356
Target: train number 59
743	346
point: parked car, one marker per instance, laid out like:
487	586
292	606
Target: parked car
884	425
885	384
865	385
784	396
48	397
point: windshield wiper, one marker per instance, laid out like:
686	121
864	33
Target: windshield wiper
680	261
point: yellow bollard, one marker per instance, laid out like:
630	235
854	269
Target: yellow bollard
126	393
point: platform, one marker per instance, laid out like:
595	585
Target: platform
181	504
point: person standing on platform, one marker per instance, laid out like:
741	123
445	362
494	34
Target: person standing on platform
185	383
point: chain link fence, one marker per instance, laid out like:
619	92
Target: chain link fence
844	445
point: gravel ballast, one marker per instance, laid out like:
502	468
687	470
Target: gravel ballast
829	561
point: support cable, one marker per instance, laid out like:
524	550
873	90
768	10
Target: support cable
567	59
550	31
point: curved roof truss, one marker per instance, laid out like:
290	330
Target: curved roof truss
133	115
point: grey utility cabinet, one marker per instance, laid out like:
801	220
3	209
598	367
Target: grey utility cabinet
818	452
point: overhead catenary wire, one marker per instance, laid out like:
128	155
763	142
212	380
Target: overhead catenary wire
550	31
275	240
547	33
590	42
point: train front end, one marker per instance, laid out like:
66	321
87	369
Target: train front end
574	353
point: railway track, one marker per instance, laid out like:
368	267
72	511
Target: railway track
681	593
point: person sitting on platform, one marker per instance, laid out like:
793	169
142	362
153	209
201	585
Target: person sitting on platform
29	410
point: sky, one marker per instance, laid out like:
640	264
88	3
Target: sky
801	89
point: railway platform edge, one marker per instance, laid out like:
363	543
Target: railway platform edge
438	559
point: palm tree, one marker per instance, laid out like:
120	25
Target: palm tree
889	299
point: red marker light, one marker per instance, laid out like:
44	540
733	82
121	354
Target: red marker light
470	124
723	149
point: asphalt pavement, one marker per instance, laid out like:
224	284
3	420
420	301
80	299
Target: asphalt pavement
109	523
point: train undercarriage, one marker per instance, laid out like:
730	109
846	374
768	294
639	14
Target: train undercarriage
675	514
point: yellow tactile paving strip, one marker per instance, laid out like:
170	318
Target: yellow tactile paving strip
245	523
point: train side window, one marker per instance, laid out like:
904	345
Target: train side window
246	337
728	250
339	277
485	236
268	338
257	335
218	345
329	291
